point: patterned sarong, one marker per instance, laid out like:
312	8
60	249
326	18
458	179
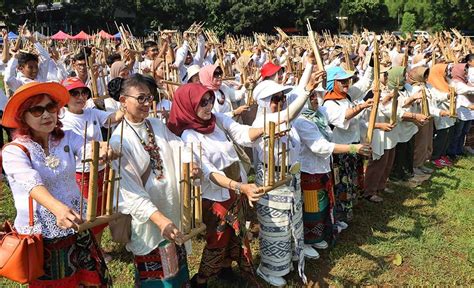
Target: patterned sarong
318	203
149	270
73	261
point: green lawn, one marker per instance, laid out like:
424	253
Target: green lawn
430	227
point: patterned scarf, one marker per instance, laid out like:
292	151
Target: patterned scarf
318	118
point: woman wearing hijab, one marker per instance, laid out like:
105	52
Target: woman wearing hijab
119	69
226	98
444	131
316	180
225	191
343	115
465	109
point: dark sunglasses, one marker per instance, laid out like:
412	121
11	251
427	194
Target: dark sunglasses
37	111
205	102
79	92
217	75
141	99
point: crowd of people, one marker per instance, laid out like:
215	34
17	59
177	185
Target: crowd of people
191	89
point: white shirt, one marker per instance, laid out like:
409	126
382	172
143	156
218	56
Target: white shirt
218	153
141	200
315	152
442	102
462	101
182	53
77	122
24	175
406	128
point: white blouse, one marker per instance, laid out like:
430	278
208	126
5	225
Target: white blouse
95	119
315	152
462	101
406	129
141	200
56	172
218	153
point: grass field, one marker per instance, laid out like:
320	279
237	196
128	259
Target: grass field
428	228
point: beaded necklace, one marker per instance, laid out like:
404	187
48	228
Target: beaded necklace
153	150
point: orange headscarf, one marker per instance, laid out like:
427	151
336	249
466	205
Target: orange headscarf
336	93
437	77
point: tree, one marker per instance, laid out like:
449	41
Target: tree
408	22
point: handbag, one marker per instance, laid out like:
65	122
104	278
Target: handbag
243	157
21	255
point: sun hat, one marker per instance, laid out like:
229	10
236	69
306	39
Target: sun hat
56	91
191	71
267	88
269	69
336	73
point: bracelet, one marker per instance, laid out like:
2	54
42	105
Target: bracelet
237	188
352	149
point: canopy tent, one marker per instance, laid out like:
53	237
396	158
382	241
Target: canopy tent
61	36
104	35
81	36
118	35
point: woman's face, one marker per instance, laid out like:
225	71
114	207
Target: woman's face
278	100
384	78
78	99
42	123
313	100
160	72
137	102
204	110
217	77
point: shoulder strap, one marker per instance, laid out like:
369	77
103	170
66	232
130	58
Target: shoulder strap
30	200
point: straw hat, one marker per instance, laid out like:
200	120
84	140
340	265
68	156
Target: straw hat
56	92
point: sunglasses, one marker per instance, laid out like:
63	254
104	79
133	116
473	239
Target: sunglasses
206	101
278	98
38	111
217	75
79	92
141	99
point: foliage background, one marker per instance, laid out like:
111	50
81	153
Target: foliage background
242	17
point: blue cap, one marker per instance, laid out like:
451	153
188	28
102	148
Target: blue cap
336	73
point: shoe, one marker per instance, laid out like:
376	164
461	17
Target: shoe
342	225
439	163
388	190
373	198
272	280
446	161
320	245
426	170
418	171
310	252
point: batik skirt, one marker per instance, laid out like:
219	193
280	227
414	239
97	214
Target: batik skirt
73	261
349	182
318	203
152	270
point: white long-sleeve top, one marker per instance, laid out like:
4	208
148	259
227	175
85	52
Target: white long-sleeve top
182	52
442	102
14	80
462	101
230	98
259	60
95	119
141	200
24	174
315	151
218	153
406	129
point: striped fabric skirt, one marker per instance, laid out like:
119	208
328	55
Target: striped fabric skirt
318	203
280	214
349	182
167	269
73	261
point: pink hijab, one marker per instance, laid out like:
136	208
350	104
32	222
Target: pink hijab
458	72
206	75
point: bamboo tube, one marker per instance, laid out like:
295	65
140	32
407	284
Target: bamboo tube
276	184
425	108
186	193
376	90
119	167
393	116
81	205
264	144
198	194
109	209
283	168
452	102
271	151
93	177
314	46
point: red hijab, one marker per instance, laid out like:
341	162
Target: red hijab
183	111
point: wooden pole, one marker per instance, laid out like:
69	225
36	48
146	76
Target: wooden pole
93	188
271	152
376	90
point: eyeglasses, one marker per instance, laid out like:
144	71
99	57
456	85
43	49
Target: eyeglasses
141	99
280	97
206	101
79	92
38	111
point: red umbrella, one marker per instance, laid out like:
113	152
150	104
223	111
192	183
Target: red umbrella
61	36
81	36
105	35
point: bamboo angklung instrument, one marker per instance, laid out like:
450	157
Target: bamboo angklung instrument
393	115
425	108
376	91
191	197
452	102
314	46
